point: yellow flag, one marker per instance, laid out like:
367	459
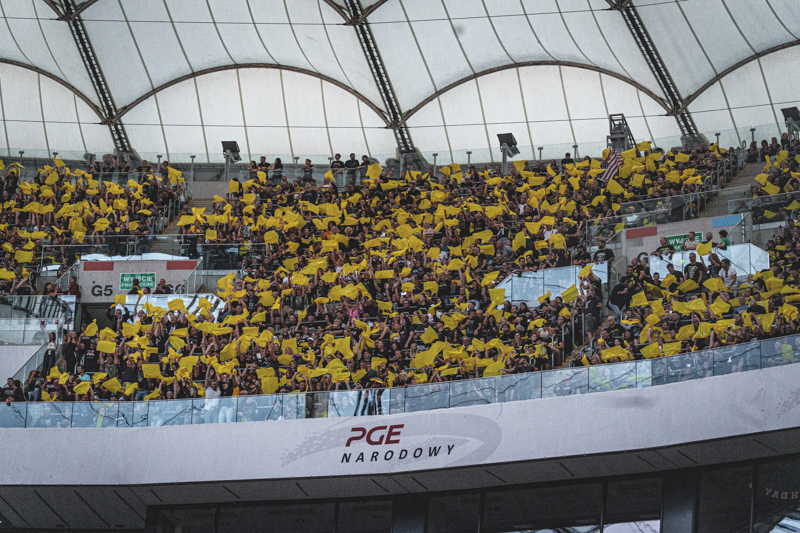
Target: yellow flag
106	346
152	370
704	248
639	299
112	385
570	294
23	257
429	336
82	387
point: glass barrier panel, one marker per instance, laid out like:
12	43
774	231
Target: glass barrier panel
397	401
49	415
427	397
644	374
140	410
14	415
659	371
94	414
516	387
214	410
778	352
294	406
737	358
565	382
259	408
317	403
345	403
170	413
619	376
685	367
125	414
472	392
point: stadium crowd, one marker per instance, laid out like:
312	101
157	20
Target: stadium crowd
391	282
61	214
776	193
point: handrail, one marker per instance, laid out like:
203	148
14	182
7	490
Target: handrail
364	402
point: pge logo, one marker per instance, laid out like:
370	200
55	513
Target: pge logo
376	435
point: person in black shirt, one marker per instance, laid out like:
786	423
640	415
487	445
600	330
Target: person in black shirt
582	257
676	273
614	329
337	165
144	167
694	270
351	165
603	254
665	249
567	160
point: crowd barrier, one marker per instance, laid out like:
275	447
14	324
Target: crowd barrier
515	387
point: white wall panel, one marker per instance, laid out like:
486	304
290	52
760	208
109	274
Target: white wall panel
184	141
115	48
220	102
177	105
262	97
716	32
584	94
149	141
555	38
160	50
758	23
676	44
303	100
405	65
502	99
518	39
782	72
544	97
313	141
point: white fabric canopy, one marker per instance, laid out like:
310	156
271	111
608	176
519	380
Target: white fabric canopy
288	78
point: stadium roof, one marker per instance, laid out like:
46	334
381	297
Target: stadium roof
289	77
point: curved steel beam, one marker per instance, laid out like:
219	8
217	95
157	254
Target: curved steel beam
692	97
378	111
94	107
340	10
620	77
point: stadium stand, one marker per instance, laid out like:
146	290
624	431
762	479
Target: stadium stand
390	281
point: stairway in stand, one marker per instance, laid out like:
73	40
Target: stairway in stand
736	190
166	243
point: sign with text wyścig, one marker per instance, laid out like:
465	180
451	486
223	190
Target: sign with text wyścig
146	279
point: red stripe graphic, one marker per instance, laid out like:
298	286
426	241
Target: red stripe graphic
98	265
181	265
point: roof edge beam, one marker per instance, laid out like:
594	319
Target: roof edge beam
125	109
94	107
593	68
736	66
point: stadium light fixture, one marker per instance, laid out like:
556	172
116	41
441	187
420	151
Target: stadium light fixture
230	150
508	147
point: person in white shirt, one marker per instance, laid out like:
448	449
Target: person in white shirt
213	392
728	274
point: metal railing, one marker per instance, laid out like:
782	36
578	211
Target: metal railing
36	307
514	387
766	209
193	282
